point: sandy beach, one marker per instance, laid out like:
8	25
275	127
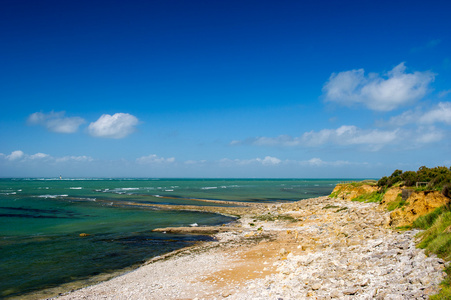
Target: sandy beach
320	248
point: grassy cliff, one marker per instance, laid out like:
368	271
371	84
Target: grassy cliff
420	199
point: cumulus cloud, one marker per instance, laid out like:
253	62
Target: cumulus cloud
441	113
153	158
344	135
56	121
39	156
15	155
349	135
20	156
317	162
115	126
81	158
381	93
267	161
274	161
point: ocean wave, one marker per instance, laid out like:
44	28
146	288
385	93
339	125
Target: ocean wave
87	199
76	188
209	188
51	196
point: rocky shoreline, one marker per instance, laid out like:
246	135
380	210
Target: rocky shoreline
319	248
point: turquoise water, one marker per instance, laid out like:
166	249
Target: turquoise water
41	221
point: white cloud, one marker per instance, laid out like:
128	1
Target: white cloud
56	121
195	162
15	155
315	161
274	161
319	162
267	161
20	156
39	156
153	158
344	135
81	158
397	88
428	135
441	113
116	126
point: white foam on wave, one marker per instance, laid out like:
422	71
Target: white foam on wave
12	193
51	196
168	190
129	189
75	188
88	199
209	188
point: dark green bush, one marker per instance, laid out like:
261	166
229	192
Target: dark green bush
437	178
446	191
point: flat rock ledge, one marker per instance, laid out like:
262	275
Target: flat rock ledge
196	230
320	248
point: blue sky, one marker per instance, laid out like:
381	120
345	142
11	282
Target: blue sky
224	88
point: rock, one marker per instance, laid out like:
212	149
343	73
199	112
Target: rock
316	286
350	291
283	252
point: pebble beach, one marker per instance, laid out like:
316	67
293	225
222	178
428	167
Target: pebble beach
318	248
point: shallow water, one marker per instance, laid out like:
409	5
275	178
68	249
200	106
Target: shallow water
41	221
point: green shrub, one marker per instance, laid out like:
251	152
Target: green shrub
446	191
437	178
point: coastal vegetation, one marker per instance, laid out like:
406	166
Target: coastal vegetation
415	199
425	179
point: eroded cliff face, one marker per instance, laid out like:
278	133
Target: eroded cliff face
349	191
418	204
404	211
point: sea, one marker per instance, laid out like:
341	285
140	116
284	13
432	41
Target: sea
57	231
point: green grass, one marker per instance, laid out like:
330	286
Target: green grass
445	293
426	221
270	217
369	197
404	228
330	206
436	239
397	203
341	209
335	194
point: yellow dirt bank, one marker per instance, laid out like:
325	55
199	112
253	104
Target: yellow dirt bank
405	211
